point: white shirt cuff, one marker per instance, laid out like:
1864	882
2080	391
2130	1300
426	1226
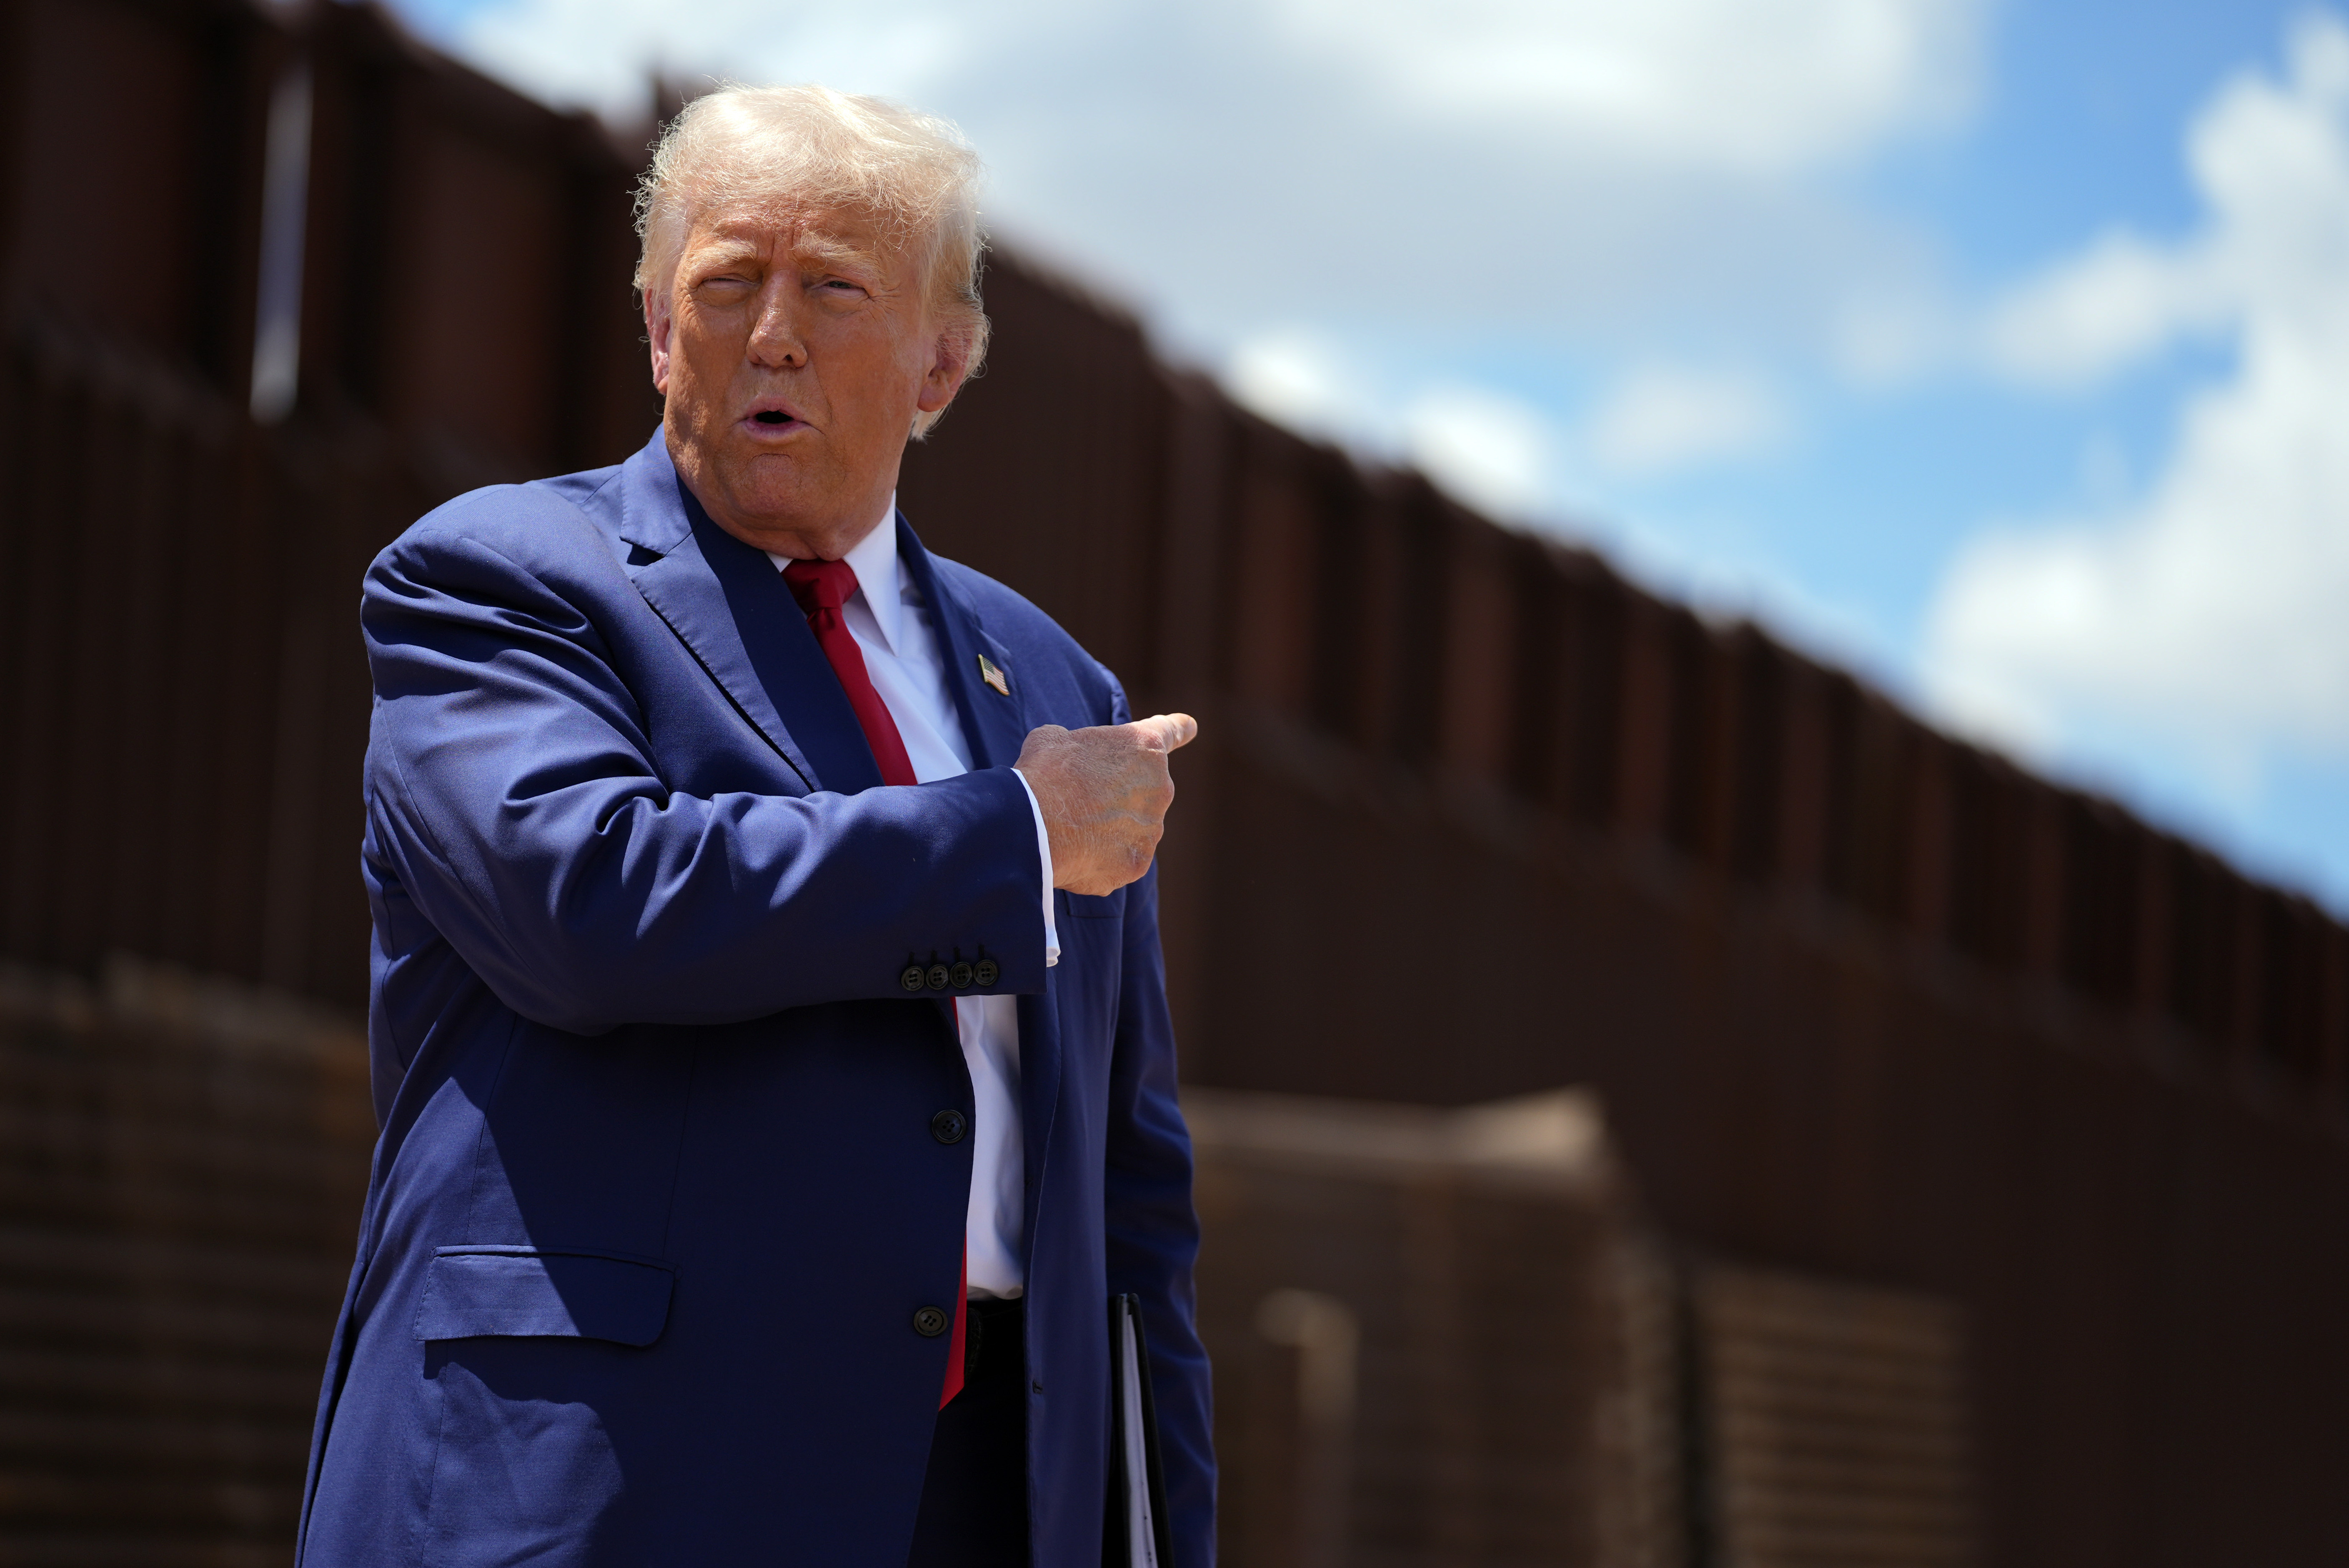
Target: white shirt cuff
1044	854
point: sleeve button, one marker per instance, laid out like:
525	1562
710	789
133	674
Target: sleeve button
947	1126
963	974
937	977
986	971
930	1321
912	979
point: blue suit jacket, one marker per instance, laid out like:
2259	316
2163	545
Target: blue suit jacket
656	1199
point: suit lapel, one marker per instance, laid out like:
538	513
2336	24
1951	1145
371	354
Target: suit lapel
729	604
994	726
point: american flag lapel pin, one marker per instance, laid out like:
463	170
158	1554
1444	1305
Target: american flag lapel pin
992	676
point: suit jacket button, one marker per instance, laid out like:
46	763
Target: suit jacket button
931	1322
947	1126
986	971
912	979
963	974
938	977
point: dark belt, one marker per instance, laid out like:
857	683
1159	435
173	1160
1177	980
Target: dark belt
999	1325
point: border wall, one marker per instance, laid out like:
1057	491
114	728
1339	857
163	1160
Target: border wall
1471	815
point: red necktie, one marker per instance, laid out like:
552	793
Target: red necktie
822	588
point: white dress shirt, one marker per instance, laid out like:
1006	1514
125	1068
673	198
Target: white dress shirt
905	657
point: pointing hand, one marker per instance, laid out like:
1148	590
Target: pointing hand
1103	792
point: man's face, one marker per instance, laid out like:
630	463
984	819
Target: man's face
794	349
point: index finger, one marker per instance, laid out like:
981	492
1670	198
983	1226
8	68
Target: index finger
1167	731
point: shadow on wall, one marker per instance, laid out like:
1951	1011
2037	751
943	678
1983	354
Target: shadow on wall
1448	1337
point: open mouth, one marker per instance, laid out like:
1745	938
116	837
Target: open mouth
777	418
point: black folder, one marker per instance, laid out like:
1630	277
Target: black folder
1136	1532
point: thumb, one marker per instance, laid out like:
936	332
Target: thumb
1167	731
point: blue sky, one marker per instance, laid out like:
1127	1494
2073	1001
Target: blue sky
2000	350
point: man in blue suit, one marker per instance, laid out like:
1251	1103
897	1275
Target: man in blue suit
769	1032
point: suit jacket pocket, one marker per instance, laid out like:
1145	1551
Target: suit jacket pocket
530	1291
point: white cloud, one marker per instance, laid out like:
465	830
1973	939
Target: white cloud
2214	610
603	54
2120	300
1661	416
1748	85
2269	161
1304	379
1493	452
1882	336
1582	168
1757	85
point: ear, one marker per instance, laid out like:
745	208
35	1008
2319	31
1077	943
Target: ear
950	365
656	333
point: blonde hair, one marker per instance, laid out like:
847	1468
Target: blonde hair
911	173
